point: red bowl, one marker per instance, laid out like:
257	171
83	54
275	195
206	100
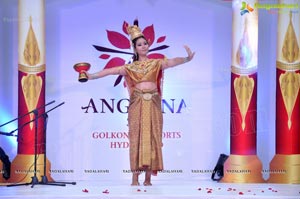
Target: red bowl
83	66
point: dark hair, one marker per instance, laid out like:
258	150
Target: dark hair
136	56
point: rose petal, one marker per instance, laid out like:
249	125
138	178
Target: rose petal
241	193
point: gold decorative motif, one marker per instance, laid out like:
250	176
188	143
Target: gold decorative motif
290	49
142	66
134	32
147	96
289	86
243	87
243	71
21	168
243	169
31	52
285	169
244	54
31	86
287	67
32	69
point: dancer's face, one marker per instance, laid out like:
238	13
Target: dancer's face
142	46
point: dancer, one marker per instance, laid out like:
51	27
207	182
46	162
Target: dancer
145	120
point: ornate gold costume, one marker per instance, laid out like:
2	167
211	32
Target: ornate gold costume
145	116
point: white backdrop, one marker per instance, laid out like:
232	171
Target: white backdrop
194	138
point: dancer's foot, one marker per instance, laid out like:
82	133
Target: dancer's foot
135	184
135	179
147	181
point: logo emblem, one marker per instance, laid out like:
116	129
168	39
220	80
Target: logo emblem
121	42
246	8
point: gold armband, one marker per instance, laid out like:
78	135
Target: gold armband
94	76
186	59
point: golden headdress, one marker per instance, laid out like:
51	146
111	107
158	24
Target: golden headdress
134	32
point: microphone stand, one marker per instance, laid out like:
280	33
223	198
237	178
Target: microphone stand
44	177
25	115
35	112
7	134
34	178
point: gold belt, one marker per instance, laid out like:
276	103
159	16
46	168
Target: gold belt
147	96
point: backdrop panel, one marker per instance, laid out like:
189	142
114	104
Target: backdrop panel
87	136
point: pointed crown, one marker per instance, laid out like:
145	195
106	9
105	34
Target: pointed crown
134	32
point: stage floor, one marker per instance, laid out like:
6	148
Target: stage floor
161	189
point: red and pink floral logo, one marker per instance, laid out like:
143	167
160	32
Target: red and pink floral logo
122	45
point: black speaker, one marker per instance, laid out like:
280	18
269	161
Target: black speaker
6	164
218	171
